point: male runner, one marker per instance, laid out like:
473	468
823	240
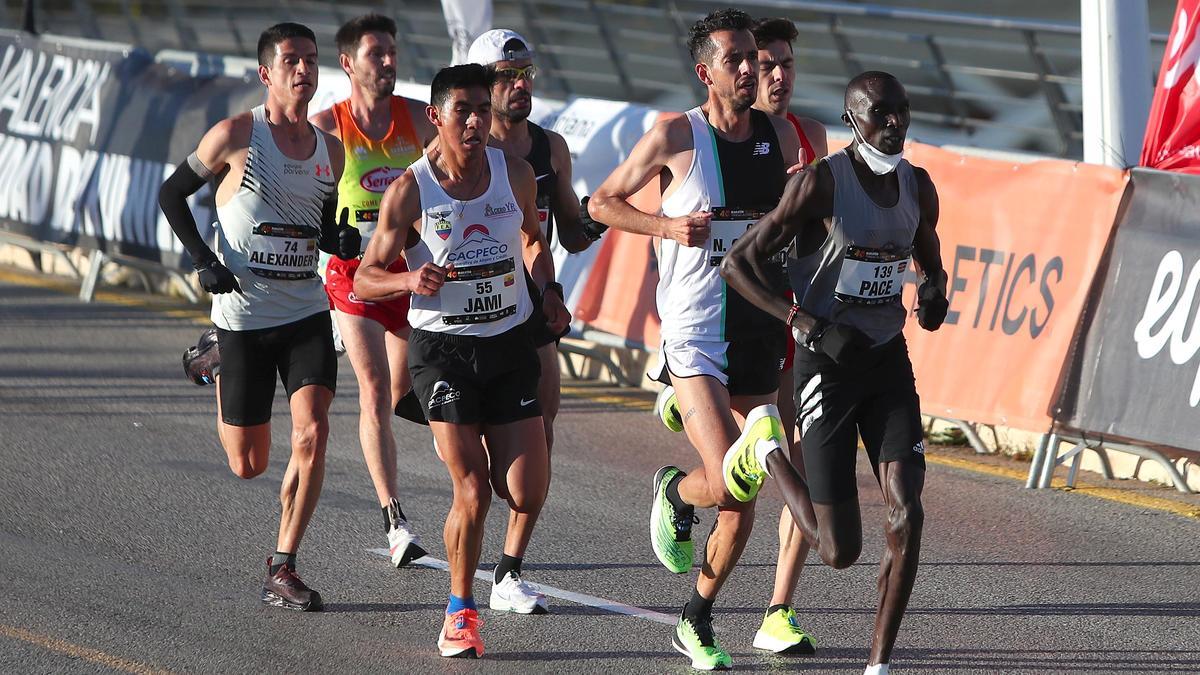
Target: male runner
275	175
465	217
510	59
855	222
780	631
721	165
382	134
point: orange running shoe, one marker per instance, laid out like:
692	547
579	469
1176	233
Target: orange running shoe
460	635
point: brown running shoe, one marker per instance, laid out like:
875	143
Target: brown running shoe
285	589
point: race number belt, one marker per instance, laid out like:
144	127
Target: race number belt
726	227
870	276
479	294
283	251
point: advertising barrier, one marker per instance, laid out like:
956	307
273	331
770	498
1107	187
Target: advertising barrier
1020	243
1136	375
88	133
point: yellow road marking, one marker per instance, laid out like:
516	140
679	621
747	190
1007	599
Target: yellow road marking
638	401
70	287
1111	494
78	652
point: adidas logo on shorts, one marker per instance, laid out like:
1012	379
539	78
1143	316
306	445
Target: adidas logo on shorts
919	448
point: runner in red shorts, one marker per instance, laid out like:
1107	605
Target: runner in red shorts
382	134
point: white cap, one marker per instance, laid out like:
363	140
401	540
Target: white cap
489	47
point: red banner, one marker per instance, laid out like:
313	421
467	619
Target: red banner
1173	132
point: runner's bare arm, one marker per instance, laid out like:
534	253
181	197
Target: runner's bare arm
536	251
426	132
326	122
807	197
209	162
927	248
817	136
565	203
648	161
399	214
789	143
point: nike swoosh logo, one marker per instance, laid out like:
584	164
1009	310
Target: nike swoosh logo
525	403
537	178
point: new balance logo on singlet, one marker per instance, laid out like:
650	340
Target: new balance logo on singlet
761	148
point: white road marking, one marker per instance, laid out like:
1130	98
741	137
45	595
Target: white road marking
570	596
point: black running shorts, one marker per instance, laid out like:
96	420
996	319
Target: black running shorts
464	379
300	352
876	398
746	367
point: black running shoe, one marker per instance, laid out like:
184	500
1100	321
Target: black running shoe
285	589
202	363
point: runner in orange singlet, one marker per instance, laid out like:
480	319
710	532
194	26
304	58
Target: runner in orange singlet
383	134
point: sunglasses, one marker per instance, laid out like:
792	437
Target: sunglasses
514	74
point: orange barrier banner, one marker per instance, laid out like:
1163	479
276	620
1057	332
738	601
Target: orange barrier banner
1021	244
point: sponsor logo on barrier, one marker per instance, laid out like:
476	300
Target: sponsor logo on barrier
1170	316
1008	290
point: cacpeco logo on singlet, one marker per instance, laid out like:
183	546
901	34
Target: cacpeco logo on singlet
477	246
377	180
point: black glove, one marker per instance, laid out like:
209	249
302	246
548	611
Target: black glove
349	239
216	278
844	344
932	306
592	229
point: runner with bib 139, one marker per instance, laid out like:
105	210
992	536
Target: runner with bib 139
465	217
854	224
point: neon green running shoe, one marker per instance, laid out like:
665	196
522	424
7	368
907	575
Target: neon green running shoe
670	528
694	638
780	633
666	406
744	465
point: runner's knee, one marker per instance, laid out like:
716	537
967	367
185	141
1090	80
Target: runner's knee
840	554
473	495
904	524
244	467
308	440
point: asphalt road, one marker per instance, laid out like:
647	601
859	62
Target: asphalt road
127	545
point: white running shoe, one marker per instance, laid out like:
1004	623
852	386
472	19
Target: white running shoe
404	545
514	595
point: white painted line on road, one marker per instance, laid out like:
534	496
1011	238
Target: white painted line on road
570	596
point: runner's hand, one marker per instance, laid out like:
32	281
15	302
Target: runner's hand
690	230
932	305
428	279
558	319
844	344
349	243
216	278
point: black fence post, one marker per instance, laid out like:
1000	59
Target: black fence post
28	22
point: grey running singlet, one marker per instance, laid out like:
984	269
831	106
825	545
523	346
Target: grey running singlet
857	275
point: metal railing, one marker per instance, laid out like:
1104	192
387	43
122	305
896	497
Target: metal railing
975	80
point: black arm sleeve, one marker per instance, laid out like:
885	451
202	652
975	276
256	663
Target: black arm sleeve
328	241
172	199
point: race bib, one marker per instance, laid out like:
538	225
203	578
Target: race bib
871	276
479	294
281	251
726	226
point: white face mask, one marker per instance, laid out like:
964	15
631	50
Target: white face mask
878	162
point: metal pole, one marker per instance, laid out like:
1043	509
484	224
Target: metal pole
29	18
1116	80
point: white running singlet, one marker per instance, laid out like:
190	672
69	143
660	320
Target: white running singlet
486	295
268	232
